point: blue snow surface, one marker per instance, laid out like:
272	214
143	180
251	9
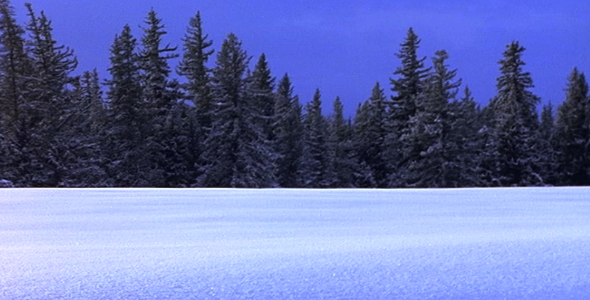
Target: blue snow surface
529	243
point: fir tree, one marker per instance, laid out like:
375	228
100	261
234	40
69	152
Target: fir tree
237	153
572	132
315	158
370	134
15	82
194	67
50	103
465	143
515	123
547	147
164	111
125	143
407	87
288	135
427	151
261	88
340	169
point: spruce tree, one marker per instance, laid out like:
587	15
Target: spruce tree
50	103
370	134
125	142
15	81
515	123
572	132
465	143
427	149
193	66
409	84
261	88
315	159
164	110
237	153
340	169
547	147
288	135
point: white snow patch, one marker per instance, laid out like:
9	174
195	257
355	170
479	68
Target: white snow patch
529	243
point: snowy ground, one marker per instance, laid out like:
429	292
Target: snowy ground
295	244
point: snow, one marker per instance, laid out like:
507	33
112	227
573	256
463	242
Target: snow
530	243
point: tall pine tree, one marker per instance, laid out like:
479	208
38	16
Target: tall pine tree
572	132
237	153
515	118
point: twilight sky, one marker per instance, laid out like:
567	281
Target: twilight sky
344	47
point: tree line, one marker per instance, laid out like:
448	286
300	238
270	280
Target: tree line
232	126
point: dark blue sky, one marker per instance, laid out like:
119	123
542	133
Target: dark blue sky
344	47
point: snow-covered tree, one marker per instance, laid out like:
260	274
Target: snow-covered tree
193	66
125	145
572	132
406	87
51	104
315	156
15	79
515	118
237	152
288	135
427	151
340	169
369	138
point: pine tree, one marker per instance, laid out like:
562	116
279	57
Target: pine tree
288	135
86	159
407	87
515	123
466	142
370	134
237	153
340	169
164	111
50	103
572	132
547	148
194	67
427	151
315	158
125	143
261	88
363	173
15	80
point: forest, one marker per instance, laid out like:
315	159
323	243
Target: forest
212	121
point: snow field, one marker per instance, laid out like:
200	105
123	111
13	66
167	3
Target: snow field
530	243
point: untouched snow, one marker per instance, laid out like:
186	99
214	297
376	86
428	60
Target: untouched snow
529	243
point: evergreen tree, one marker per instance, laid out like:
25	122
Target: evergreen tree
86	160
194	67
370	134
363	173
125	145
288	135
261	88
15	80
515	123
427	151
407	87
340	170
315	158
547	146
466	142
237	153
164	111
51	107
572	132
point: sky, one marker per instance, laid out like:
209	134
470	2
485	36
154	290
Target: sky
345	47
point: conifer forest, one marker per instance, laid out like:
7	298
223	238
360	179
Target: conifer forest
213	121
